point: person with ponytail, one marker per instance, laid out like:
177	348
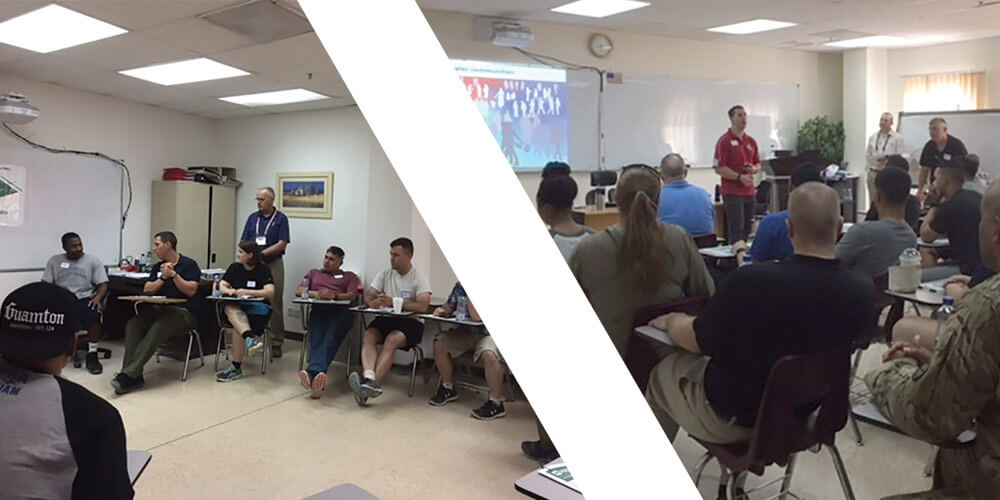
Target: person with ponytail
639	261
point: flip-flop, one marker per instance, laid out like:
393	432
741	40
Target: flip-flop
318	385
304	379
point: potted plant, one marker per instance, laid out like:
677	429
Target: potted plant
821	134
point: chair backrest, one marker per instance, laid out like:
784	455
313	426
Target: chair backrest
805	402
640	354
763	202
706	241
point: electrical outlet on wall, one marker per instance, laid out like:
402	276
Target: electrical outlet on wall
294	312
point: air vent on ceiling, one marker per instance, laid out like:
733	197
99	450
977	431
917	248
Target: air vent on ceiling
262	21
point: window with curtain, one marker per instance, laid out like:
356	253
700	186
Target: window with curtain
944	92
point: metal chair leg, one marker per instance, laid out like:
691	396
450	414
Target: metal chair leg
838	464
201	354
302	349
219	346
267	346
786	481
855	429
187	358
723	481
418	357
931	459
736	483
699	467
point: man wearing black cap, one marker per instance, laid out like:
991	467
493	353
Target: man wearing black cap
59	440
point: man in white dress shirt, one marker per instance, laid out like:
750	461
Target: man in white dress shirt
882	145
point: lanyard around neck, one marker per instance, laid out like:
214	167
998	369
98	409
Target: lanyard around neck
270	221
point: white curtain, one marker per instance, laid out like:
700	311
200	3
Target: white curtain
944	92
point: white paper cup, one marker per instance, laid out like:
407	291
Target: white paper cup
397	305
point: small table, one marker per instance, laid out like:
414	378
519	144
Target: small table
306	306
453	320
719	252
538	486
150	299
136	461
930	293
654	334
382	312
598	220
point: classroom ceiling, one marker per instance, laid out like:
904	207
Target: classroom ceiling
170	30
819	21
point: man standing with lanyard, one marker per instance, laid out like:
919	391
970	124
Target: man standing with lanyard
881	145
737	161
269	229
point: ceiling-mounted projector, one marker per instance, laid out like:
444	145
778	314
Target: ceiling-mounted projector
15	109
511	34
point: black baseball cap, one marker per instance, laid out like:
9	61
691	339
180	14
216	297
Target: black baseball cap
38	321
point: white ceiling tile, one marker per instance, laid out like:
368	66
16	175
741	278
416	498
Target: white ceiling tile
127	51
198	35
200	106
298	50
234	113
234	86
48	67
138	14
104	82
309	105
155	94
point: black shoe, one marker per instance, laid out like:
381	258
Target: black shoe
124	384
276	351
370	388
93	365
490	410
444	396
535	450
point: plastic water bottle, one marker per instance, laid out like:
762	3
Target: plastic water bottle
216	292
943	312
305	287
462	309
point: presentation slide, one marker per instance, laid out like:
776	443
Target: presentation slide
526	108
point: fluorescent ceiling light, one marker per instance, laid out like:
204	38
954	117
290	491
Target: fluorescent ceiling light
274	98
52	28
748	27
871	41
191	70
599	8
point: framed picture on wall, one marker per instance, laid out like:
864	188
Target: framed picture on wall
305	194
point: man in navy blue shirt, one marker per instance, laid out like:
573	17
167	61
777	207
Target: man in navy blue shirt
682	203
771	241
174	277
269	229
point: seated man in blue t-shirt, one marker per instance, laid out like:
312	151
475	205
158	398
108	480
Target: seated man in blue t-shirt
771	241
682	203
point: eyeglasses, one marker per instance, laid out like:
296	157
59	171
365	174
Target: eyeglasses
261	199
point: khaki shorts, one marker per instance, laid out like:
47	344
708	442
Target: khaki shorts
459	342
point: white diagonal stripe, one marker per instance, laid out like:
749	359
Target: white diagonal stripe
487	228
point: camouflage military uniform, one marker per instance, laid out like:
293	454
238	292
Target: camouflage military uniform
958	390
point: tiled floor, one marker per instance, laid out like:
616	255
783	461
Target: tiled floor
262	437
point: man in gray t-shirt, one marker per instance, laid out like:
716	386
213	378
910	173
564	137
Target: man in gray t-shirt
84	276
872	246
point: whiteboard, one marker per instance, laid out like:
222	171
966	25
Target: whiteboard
646	117
62	193
978	130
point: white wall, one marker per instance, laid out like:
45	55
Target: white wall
147	138
979	55
818	74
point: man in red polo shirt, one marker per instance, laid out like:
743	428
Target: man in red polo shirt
737	161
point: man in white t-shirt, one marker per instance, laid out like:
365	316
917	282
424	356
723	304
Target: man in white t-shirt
400	280
84	276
